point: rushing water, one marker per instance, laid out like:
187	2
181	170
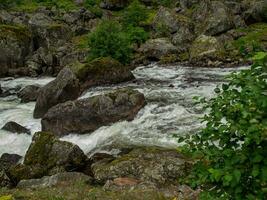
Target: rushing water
169	110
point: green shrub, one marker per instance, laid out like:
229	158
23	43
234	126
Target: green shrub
231	150
137	35
8	3
109	40
135	14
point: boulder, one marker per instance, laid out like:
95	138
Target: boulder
14	127
114	4
87	115
101	71
65	87
15	46
47	155
205	47
29	93
152	164
183	38
167	18
54	180
8	160
155	49
212	18
256	11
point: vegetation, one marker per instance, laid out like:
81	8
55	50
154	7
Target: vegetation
231	151
109	40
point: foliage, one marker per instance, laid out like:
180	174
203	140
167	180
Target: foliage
137	35
135	14
231	150
109	40
8	3
93	6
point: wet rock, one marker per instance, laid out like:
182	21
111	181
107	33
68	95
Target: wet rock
4	179
65	87
29	93
47	155
14	127
15	46
8	160
54	180
113	4
87	115
1	91
155	49
101	71
156	165
205	47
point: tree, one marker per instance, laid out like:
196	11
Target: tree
109	40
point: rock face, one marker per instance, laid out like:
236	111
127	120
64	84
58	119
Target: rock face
48	156
14	127
205	47
15	46
101	71
29	93
155	165
87	115
65	87
57	179
155	49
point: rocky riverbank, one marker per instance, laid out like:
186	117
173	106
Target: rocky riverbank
48	40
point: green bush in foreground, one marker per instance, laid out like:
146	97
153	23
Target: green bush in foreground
231	151
109	40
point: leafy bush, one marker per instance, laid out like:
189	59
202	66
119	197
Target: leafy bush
135	14
231	150
109	40
137	35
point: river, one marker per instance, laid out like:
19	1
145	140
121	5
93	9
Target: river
170	109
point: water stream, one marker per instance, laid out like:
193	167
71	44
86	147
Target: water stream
169	110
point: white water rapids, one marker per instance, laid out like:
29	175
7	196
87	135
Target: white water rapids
169	110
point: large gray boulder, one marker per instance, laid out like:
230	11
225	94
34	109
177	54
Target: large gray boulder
65	87
153	164
87	115
47	155
212	18
155	49
15	46
256	11
101	71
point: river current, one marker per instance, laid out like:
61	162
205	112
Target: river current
170	109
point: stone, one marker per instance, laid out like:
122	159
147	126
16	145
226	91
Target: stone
14	127
154	49
15	46
8	160
47	155
205	46
29	93
101	71
54	180
167	18
212	18
65	87
86	115
152	164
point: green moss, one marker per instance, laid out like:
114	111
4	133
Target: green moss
168	59
81	42
18	32
255	40
150	18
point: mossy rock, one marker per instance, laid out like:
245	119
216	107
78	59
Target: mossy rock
19	32
101	71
